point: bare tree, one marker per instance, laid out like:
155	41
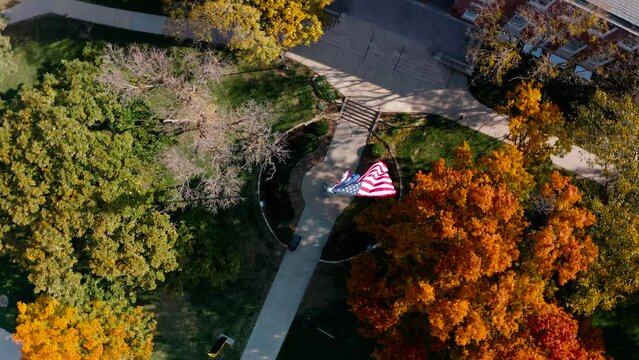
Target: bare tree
492	50
215	145
622	76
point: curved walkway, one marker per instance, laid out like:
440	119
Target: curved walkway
364	62
314	226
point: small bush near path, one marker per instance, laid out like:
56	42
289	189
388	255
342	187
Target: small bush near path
321	127
324	90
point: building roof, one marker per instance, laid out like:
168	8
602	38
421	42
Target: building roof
625	9
623	13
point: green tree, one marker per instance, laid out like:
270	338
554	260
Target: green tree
7	63
75	200
536	126
610	127
207	258
260	30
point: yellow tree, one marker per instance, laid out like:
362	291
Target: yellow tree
536	126
260	30
48	329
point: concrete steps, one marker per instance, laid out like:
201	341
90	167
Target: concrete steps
358	116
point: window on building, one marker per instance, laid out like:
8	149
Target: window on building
604	33
541	4
574	46
516	23
629	43
470	15
599	59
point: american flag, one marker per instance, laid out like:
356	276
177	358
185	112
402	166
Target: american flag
374	183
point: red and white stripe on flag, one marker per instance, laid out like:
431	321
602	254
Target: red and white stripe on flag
376	182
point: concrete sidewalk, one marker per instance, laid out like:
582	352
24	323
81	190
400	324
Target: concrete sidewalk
314	226
117	18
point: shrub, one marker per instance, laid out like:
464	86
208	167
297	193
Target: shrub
321	127
402	118
324	90
311	142
378	150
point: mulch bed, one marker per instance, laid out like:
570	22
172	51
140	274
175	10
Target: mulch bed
283	193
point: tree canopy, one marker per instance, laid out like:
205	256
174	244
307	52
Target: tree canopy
464	268
214	145
75	201
7	63
48	329
536	126
609	125
497	48
260	30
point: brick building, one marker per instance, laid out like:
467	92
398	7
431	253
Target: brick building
622	17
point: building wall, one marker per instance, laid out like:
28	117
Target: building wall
460	6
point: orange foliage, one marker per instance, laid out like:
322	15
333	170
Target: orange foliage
451	261
50	330
562	245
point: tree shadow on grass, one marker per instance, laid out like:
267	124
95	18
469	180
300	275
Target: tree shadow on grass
15	285
191	315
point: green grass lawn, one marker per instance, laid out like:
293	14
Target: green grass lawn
289	90
418	147
324	306
189	321
41	43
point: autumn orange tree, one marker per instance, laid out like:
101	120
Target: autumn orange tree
463	268
48	329
536	126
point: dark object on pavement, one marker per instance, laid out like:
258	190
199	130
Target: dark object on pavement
294	242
